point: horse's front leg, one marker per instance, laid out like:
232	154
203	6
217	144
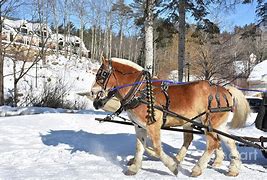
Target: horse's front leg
153	131
136	162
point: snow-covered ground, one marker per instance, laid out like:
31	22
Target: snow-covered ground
75	146
74	74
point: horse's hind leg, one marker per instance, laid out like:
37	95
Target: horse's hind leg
235	157
154	133
212	144
136	162
188	137
219	156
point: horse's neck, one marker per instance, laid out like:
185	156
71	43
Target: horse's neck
129	82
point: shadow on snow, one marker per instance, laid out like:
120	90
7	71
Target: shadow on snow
109	146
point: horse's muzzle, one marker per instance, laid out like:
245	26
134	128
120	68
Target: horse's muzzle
98	103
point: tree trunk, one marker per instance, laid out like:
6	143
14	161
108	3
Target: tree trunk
92	42
81	37
135	50
110	40
107	35
95	43
181	46
149	54
130	49
15	97
1	62
121	38
99	45
65	28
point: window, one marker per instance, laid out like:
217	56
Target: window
23	29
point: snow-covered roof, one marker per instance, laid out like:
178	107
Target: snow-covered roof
73	39
15	24
259	73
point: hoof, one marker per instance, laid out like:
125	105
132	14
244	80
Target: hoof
217	164
232	173
129	173
196	171
130	162
175	172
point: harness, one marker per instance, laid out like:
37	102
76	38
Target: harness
145	95
130	100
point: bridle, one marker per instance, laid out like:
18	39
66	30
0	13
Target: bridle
102	79
102	75
128	101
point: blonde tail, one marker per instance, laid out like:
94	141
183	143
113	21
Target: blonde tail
241	108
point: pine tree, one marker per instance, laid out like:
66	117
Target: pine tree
175	12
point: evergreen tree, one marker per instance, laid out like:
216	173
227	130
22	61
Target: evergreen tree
175	12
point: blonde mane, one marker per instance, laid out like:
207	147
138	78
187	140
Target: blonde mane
127	62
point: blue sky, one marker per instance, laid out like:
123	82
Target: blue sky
242	15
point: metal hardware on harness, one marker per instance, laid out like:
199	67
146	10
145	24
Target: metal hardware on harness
218	108
150	99
100	102
209	101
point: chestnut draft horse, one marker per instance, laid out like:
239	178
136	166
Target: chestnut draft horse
188	100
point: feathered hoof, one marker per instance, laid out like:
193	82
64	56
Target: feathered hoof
217	164
130	173
233	173
196	171
175	171
130	162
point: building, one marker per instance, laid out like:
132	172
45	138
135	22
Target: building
39	34
258	77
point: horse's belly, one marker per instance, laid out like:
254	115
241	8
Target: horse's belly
171	122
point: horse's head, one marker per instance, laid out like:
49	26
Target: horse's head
112	73
104	75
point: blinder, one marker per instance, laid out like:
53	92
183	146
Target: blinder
102	76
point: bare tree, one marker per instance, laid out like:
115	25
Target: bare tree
123	12
6	7
54	8
81	8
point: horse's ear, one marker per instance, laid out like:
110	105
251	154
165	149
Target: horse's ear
103	59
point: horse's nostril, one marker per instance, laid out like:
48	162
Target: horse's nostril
91	93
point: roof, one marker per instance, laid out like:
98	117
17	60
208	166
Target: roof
259	73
